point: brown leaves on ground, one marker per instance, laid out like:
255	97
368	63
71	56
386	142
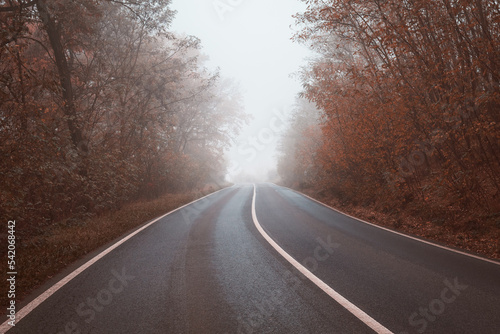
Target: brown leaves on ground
460	232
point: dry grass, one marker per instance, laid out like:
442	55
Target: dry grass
464	232
41	257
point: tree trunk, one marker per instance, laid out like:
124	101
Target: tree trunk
63	70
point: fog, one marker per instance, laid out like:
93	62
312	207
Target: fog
250	42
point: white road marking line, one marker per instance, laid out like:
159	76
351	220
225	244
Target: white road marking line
50	291
396	232
356	311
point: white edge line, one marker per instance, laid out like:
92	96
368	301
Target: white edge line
356	311
50	291
396	232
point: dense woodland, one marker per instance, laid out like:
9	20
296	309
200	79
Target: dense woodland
101	104
408	106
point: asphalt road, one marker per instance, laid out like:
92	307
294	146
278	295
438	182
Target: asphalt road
207	269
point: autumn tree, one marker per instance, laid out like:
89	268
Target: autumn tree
101	104
410	92
297	164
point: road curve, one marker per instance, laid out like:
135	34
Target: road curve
406	285
207	269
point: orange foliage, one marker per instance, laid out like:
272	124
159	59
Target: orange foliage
410	92
99	106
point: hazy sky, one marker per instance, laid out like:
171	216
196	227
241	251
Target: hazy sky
249	40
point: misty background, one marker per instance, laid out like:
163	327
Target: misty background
250	41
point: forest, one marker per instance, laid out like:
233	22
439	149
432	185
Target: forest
400	112
117	134
101	104
109	118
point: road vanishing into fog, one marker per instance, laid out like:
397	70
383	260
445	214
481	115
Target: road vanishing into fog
210	267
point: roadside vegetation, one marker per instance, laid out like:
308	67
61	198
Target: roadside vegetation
399	118
107	119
